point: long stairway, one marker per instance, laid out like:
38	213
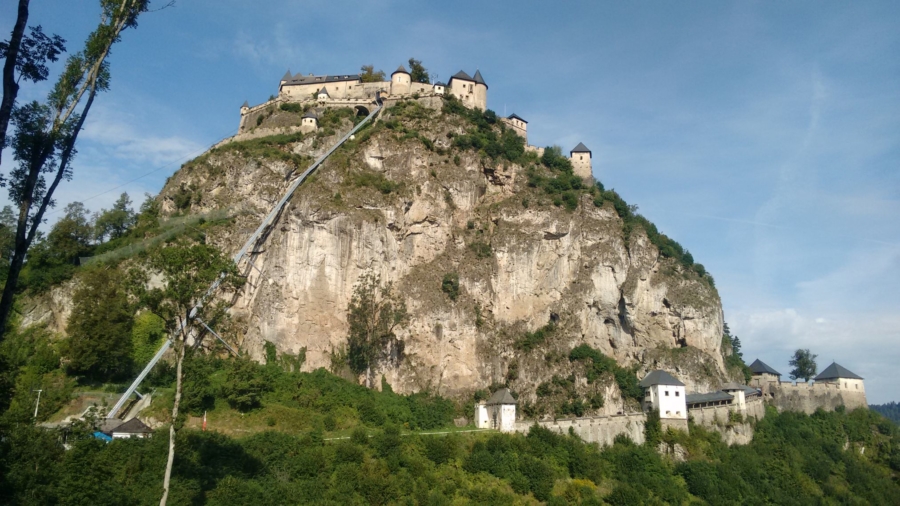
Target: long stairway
251	245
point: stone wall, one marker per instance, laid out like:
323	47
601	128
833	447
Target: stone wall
601	430
717	418
808	397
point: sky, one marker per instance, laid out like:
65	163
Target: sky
762	136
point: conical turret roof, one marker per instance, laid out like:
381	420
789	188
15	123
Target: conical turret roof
323	91
478	79
245	105
462	75
401	69
287	76
501	396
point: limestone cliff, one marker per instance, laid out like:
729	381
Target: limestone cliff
402	203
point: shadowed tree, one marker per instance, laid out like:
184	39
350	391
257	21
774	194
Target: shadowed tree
804	365
45	134
418	73
368	74
114	223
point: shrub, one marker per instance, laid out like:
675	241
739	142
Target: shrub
481	249
450	285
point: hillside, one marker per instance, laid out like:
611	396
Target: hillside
538	261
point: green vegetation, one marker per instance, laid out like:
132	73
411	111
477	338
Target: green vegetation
481	249
417	72
372	179
890	410
531	340
598	364
368	74
272	147
374	314
450	285
734	358
804	365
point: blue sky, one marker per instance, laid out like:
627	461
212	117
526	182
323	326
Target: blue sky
764	137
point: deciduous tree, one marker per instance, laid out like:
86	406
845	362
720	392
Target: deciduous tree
45	136
375	312
804	365
368	74
417	72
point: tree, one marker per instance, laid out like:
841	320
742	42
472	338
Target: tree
368	74
375	312
45	135
53	259
418	73
804	365
189	271
100	342
115	222
27	55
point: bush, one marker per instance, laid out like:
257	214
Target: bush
450	285
600	364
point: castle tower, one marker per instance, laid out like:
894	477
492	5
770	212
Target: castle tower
843	378
439	88
322	95
286	77
580	156
763	375
400	81
518	125
309	122
663	392
244	110
499	412
462	86
480	91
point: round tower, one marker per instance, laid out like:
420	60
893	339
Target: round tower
400	81
480	95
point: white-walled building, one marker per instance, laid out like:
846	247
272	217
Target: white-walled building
663	392
499	412
309	122
844	379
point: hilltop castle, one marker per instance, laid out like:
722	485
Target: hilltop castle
349	90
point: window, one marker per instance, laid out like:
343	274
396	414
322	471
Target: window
667	393
668	412
678	412
677	393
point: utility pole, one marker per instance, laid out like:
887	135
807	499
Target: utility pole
37	404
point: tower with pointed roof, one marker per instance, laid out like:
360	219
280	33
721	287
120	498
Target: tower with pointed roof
663	392
498	412
580	156
839	375
472	91
400	80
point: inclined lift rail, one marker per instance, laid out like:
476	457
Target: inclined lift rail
251	242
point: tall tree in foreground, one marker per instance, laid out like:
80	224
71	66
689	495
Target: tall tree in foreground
417	72
44	140
375	312
27	54
804	365
189	271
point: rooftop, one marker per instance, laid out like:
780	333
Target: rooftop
835	371
580	148
133	426
760	367
501	396
516	116
659	377
301	80
710	397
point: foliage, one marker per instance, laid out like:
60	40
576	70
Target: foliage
272	147
652	429
114	223
450	285
600	364
531	340
99	328
374	314
53	260
291	107
370	178
889	410
147	334
804	365
243	388
368	74
734	358
417	72
481	249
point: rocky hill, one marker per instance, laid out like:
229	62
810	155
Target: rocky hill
414	201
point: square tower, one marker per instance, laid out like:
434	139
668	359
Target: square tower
580	156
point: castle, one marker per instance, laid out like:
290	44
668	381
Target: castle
726	410
349	90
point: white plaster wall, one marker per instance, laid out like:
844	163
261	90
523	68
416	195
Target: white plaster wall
672	405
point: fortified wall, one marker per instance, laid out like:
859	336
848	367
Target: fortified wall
601	429
806	397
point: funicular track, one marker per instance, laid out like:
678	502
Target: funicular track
247	252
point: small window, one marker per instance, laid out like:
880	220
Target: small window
678	412
677	393
667	393
668	412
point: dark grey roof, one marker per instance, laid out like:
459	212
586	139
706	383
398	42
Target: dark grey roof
478	79
580	148
658	377
760	367
300	80
245	104
400	69
516	116
710	397
835	371
133	426
439	84
310	114
110	424
462	76
750	391
501	396
732	386
324	91
287	76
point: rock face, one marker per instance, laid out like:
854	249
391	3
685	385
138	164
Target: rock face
411	211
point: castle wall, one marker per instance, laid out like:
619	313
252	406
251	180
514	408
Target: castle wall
717	418
464	91
517	126
601	430
808	397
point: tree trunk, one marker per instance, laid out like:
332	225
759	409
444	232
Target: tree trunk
10	87
168	476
